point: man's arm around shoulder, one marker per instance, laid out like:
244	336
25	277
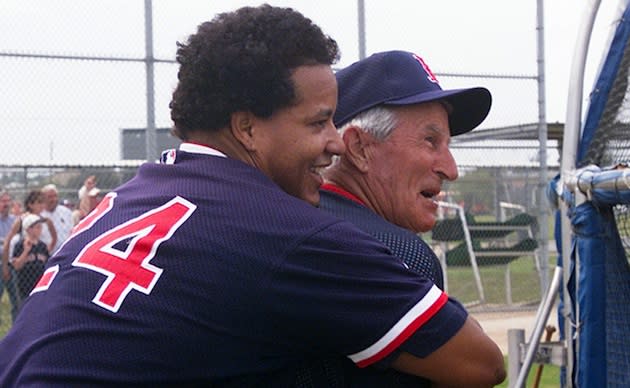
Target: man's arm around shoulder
469	359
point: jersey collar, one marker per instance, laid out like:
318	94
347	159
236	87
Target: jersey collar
200	149
343	192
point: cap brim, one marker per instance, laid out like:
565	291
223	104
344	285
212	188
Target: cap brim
27	223
470	106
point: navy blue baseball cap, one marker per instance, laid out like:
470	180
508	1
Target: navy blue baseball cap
403	78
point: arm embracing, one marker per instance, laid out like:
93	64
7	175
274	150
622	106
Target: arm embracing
470	358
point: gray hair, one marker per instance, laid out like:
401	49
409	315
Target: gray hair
378	121
49	187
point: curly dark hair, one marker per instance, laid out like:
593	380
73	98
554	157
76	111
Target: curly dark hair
242	61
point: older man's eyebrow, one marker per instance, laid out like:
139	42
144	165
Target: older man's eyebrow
439	131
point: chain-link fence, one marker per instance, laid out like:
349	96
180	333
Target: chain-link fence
83	81
20	179
488	238
77	74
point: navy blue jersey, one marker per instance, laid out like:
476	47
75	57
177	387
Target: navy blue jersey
408	246
202	269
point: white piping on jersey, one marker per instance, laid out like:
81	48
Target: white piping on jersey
200	149
429	299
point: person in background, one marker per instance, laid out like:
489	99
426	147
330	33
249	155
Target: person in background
69	204
16	208
396	123
29	256
215	266
6	222
34	205
88	184
88	202
6	218
60	215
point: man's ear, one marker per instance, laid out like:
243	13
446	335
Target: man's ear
241	126
356	142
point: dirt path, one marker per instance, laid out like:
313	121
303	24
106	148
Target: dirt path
496	324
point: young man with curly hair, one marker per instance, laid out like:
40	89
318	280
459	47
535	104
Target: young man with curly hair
215	267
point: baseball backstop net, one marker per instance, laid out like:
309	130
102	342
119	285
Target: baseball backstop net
596	192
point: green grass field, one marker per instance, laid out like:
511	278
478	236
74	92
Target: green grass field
5	314
549	378
524	278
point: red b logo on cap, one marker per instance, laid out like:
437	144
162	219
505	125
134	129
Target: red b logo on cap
430	75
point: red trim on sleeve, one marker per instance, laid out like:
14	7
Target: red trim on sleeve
406	333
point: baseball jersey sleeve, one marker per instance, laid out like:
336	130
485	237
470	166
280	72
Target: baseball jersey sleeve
346	293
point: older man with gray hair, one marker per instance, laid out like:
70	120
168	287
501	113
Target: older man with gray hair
60	215
396	122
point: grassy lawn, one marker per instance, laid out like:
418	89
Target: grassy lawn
5	314
550	377
523	274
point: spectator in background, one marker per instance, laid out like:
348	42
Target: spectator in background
88	184
6	222
29	255
86	205
6	217
60	216
16	208
34	204
70	205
